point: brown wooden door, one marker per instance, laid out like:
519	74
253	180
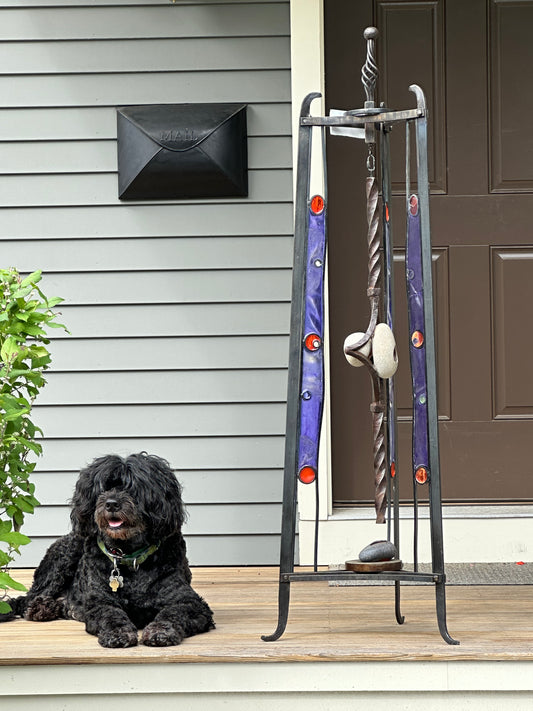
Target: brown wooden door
474	61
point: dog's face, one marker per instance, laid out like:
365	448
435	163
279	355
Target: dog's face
137	499
117	516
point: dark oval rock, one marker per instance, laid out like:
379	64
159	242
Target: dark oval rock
378	550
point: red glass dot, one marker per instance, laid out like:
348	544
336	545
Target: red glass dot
386	211
307	475
317	204
417	339
413	204
313	342
421	475
393	470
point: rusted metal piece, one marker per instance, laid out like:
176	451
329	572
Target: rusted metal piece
374	243
377	408
374	295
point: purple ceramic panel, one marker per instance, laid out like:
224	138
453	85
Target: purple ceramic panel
415	303
312	390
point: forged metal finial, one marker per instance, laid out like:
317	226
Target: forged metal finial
369	70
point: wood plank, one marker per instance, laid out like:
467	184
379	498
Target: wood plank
325	624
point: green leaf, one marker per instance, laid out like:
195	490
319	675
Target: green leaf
15	539
32	278
10	348
22	292
6	581
54	301
5	607
23	504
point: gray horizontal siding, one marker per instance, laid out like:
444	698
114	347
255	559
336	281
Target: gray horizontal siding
163	287
44	157
204	353
201	550
200	487
100	122
101	189
202	519
176	320
178	310
152	253
101	56
162	220
140	88
170	386
179	20
208	452
160	420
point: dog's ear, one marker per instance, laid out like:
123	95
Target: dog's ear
92	481
159	491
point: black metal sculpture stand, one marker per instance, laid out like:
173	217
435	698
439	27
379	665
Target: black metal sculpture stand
305	376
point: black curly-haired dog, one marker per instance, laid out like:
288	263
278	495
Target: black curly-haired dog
124	566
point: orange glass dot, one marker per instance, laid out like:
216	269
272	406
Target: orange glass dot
307	475
313	342
387	211
421	475
317	204
393	470
417	339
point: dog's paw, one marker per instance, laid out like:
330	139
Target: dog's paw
43	609
118	637
162	634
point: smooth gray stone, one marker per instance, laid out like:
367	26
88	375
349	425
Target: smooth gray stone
378	550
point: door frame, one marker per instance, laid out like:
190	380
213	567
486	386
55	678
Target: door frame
495	533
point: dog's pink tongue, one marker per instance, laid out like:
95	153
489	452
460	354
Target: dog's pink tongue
115	523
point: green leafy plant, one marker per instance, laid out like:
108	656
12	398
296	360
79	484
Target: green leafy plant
25	316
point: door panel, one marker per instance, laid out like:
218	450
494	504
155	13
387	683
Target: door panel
474	61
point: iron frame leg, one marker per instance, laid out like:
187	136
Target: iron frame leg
292	428
435	501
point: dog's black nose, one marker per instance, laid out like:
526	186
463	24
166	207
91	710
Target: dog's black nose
112	505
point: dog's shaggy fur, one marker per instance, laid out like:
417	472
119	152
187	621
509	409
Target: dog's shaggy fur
129	507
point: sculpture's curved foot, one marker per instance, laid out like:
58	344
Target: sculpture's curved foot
400	619
283	613
440	592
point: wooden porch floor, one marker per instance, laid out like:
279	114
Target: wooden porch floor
325	624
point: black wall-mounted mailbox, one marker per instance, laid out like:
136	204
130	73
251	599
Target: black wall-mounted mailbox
173	151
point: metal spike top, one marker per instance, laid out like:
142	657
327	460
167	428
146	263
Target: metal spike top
369	70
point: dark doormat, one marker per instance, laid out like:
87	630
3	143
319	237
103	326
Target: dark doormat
461	574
